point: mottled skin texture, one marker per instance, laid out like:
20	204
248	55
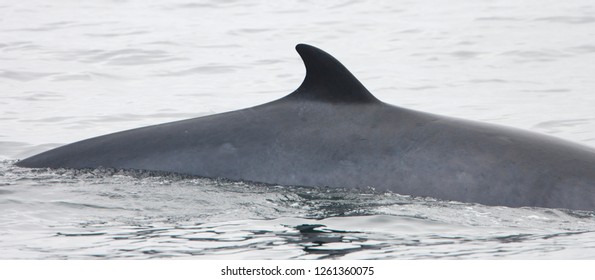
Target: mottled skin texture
332	132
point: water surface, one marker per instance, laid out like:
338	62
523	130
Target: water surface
70	70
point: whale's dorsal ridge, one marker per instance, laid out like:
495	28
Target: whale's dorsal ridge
327	80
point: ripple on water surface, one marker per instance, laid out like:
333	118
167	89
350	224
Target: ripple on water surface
58	214
66	77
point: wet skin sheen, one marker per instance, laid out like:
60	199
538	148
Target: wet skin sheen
333	132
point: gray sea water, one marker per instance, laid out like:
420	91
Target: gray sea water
70	70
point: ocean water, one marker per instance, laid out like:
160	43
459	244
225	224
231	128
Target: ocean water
70	70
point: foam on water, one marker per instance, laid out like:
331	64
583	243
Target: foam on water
72	70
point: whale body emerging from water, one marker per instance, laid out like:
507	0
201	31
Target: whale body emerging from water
333	132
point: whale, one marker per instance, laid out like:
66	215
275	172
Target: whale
332	132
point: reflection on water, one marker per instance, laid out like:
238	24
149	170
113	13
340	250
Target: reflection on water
231	239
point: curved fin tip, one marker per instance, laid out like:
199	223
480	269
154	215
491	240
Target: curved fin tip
327	80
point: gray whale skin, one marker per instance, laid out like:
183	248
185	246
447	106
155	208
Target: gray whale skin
333	132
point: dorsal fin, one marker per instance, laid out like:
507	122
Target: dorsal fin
327	80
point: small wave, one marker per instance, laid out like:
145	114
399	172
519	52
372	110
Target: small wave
24	76
84	205
71	234
568	19
125	56
208	69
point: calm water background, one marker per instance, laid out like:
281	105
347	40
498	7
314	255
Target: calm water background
70	70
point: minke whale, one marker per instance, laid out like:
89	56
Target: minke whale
333	132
